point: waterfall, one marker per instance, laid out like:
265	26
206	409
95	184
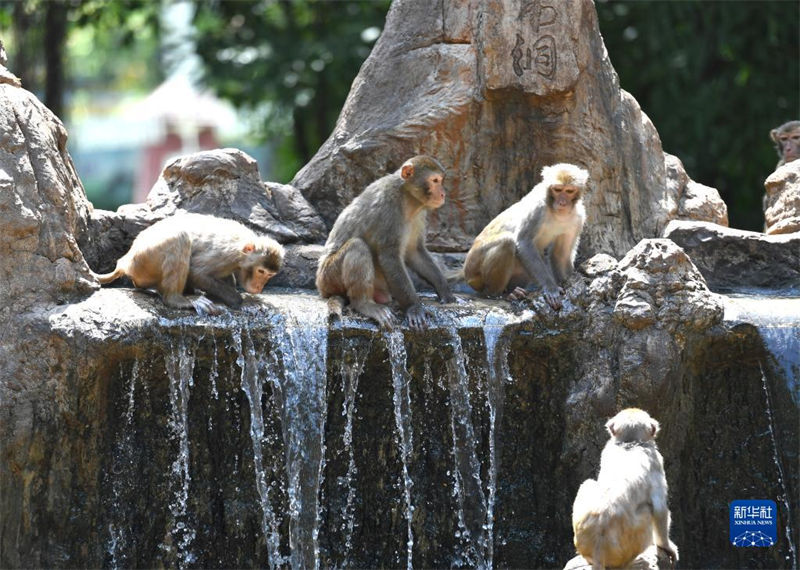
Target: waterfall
778	324
468	489
354	356
405	433
181	534
252	387
496	374
121	481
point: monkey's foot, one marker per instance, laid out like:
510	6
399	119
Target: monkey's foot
518	294
379	313
204	306
417	317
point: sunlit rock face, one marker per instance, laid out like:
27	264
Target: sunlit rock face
496	90
782	200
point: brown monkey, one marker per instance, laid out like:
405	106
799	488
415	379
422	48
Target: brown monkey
787	141
508	253
616	517
199	252
379	235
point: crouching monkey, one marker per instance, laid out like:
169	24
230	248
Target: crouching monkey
622	513
196	252
509	253
375	239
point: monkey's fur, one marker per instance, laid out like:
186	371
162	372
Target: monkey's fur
787	141
616	517
508	254
375	239
199	252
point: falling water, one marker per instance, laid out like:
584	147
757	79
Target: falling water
121	484
253	389
352	365
496	374
778	324
181	534
468	489
402	419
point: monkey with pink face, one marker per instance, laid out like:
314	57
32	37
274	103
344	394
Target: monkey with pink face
510	252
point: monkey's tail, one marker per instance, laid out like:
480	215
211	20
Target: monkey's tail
104	278
336	306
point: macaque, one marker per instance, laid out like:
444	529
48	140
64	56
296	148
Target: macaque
509	253
377	237
196	252
624	511
787	141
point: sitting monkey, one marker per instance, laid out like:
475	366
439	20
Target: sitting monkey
616	517
201	253
509	253
377	238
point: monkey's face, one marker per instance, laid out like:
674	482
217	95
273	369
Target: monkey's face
254	278
563	196
789	144
434	190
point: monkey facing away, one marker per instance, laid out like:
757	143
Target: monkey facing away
509	253
616	517
787	141
201	253
377	237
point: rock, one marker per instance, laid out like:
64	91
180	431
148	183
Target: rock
223	182
782	200
732	259
661	284
299	267
43	206
695	201
226	183
650	559
496	90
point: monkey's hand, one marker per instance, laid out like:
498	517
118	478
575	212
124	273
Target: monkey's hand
447	297
553	297
204	306
672	551
417	317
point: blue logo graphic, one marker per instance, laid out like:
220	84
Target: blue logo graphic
753	523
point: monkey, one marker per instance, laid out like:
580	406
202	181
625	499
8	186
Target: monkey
508	254
377	237
616	517
201	253
787	141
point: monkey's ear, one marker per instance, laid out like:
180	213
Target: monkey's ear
654	427
249	247
612	429
773	135
407	171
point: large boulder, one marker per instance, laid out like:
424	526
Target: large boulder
222	182
496	90
43	206
735	260
782	200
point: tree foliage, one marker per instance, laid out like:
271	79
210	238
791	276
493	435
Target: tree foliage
714	77
299	56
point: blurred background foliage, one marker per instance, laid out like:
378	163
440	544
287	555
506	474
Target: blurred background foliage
714	77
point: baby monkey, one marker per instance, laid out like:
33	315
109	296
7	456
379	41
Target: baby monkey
616	517
510	252
196	252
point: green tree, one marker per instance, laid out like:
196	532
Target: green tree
714	77
290	62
